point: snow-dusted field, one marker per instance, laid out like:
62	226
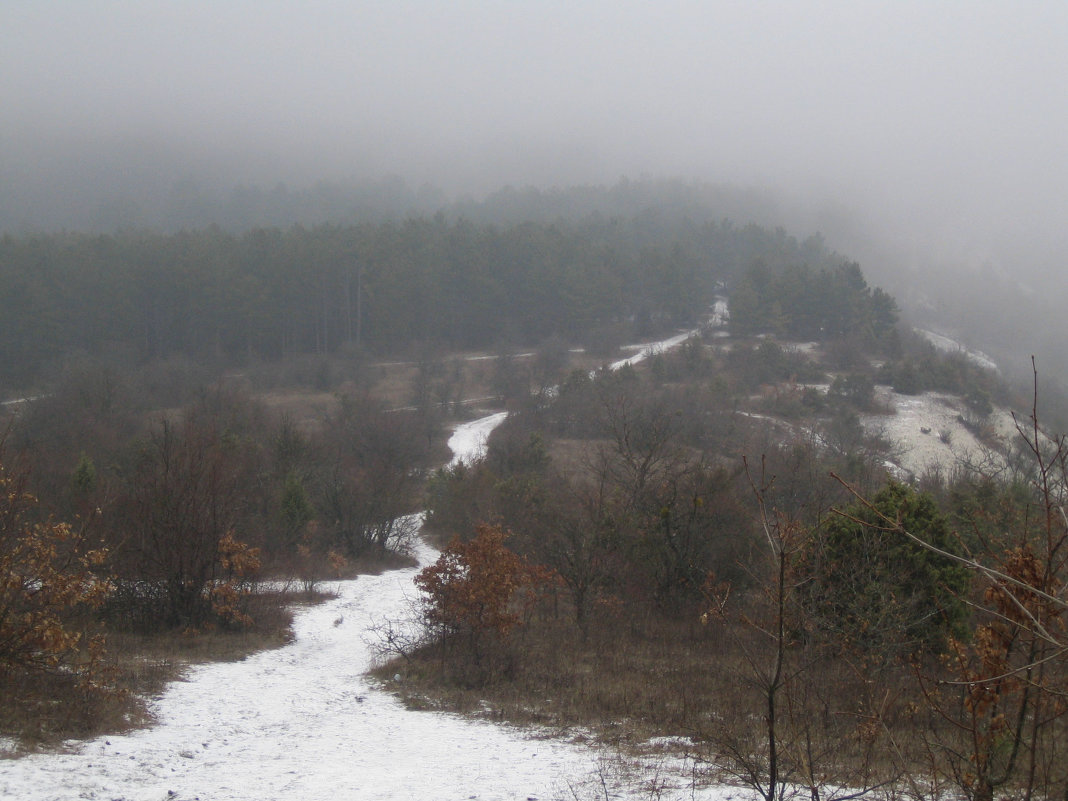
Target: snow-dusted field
303	722
949	345
927	434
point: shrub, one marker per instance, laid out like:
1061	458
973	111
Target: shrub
48	578
881	593
477	591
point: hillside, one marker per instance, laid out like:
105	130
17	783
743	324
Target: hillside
652	494
794	482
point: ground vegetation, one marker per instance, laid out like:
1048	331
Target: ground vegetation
804	616
217	408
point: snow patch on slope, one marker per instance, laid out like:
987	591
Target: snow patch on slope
950	345
926	432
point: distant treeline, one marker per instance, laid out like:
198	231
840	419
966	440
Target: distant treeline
79	200
212	295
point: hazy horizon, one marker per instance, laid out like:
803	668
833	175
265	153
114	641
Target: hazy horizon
933	129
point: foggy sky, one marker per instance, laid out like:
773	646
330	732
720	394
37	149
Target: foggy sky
942	126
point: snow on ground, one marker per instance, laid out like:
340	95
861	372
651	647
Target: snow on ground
651	348
925	432
468	441
303	722
720	315
949	345
20	401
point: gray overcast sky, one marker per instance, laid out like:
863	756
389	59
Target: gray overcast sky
950	117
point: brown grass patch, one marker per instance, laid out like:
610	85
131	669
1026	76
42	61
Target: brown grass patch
378	563
633	680
392	382
626	683
306	408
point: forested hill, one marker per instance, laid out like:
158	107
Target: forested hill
386	287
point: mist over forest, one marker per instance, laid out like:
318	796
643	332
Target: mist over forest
690	368
925	142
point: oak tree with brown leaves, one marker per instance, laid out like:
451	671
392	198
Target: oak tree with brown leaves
48	579
479	590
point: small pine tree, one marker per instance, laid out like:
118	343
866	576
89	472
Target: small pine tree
881	593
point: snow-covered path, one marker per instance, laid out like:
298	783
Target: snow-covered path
303	722
652	348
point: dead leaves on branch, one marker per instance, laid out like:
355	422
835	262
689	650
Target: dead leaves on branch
48	578
480	586
239	563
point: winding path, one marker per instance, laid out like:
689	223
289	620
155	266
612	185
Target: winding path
303	722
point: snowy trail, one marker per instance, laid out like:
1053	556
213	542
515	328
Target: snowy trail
303	722
652	348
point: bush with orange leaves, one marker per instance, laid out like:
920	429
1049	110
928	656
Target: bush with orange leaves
229	596
480	588
47	579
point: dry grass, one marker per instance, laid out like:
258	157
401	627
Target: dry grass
470	374
46	708
656	687
627	681
306	408
392	382
377	563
